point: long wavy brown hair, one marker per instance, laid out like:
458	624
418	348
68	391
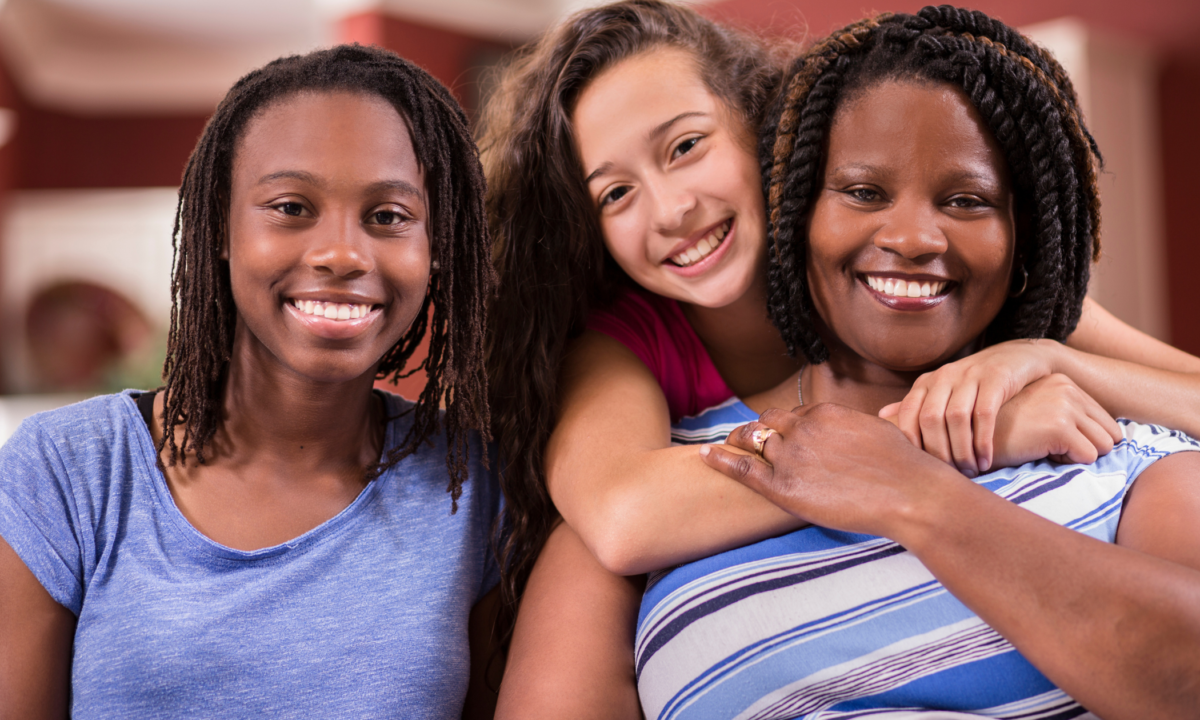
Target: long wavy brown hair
548	246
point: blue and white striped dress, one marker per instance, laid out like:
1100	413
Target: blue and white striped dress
825	624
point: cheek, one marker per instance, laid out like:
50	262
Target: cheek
624	241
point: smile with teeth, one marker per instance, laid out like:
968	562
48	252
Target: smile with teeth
906	288
704	248
331	311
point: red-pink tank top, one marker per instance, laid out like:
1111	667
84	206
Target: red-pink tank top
656	331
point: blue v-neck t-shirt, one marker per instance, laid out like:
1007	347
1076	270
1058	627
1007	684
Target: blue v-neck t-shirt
364	616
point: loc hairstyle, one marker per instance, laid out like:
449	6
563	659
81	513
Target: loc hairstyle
1027	102
549	249
202	311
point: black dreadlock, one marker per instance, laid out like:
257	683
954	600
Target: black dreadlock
202	309
1029	105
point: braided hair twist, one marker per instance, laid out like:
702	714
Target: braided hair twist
1027	102
203	314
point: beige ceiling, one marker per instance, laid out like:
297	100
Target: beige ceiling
179	56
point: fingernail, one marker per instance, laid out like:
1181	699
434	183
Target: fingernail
985	464
704	450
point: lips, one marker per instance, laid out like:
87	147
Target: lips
907	293
331	310
704	247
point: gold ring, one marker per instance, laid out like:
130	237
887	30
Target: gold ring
759	437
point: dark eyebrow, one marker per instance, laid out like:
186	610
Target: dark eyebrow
657	132
401	186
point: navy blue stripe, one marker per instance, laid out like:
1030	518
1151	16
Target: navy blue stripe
850	553
1057	483
680	623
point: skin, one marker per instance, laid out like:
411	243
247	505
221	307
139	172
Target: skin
327	203
660	150
1116	626
549	644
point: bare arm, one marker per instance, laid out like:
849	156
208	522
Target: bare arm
36	634
1115	626
951	412
572	650
637	503
1131	374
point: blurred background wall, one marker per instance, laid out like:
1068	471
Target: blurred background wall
101	102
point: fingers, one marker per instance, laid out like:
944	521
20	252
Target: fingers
960	415
934	436
750	470
991	396
910	412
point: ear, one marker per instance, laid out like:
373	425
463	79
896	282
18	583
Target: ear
225	245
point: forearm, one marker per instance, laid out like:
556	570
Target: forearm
657	508
1115	628
1130	390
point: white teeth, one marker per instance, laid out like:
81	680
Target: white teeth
702	249
331	311
906	288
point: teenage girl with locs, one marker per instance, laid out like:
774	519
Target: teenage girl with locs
267	536
621	140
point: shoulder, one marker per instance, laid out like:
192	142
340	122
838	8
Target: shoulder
1153	441
80	432
426	474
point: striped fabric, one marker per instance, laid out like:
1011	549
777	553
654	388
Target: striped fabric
826	624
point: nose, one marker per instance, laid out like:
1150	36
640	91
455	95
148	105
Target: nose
340	246
911	230
671	201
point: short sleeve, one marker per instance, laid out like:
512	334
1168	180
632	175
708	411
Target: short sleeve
38	517
656	331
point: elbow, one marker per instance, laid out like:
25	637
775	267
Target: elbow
615	536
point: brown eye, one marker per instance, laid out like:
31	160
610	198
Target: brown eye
386	217
291	208
685	147
614	195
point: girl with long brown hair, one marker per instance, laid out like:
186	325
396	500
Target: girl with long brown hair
630	241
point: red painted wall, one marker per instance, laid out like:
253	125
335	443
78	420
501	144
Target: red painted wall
453	58
1172	27
63	150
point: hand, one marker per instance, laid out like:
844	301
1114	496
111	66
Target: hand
835	467
951	412
1054	418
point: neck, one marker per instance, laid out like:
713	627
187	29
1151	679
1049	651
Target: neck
743	344
300	426
846	379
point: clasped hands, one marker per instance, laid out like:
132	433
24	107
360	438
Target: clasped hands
844	469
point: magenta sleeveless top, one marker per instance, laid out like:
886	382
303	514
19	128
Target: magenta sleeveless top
656	331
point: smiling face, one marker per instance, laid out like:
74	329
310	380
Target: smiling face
911	237
328	249
674	176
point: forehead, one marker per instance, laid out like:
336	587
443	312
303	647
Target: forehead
327	133
622	104
913	123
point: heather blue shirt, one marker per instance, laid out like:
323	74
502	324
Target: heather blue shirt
364	616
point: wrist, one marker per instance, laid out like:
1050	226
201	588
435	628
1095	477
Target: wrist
925	518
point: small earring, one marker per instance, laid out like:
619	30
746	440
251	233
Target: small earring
1024	283
435	266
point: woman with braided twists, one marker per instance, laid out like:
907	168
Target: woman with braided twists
917	589
619	154
266	535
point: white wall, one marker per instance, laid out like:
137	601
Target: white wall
118	239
